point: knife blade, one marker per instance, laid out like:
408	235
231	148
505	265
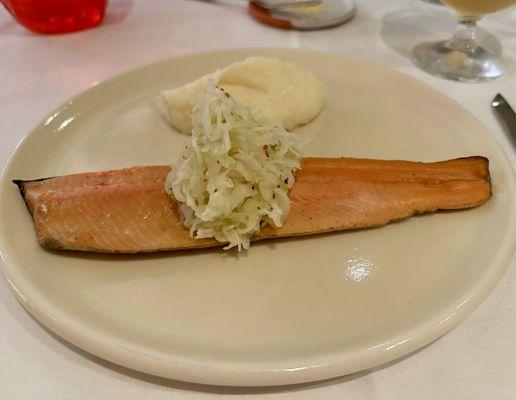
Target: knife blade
507	115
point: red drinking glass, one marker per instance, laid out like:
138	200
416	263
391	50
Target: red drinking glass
56	16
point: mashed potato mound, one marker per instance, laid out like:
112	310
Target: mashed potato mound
275	89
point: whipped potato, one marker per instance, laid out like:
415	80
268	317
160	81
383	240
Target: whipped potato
274	89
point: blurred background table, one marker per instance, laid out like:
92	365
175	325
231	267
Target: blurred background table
38	73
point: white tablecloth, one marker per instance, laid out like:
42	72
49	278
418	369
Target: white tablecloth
477	360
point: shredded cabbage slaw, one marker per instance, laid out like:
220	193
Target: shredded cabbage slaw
234	174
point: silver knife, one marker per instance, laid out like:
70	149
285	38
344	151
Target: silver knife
507	115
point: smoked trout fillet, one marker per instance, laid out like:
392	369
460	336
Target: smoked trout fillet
128	210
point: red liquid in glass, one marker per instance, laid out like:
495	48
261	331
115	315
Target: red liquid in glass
56	16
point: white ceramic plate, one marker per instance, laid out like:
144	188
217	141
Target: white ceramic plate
287	311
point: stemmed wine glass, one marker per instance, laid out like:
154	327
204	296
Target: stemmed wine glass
461	58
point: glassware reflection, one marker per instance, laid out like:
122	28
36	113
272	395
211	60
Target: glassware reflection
359	269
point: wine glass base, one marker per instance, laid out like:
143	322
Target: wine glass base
473	65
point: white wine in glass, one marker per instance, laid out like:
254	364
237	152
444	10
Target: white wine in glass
461	58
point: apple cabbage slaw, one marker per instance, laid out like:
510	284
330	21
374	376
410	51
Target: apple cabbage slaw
234	174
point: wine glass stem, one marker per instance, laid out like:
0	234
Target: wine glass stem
464	38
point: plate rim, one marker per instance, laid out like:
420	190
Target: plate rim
254	374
